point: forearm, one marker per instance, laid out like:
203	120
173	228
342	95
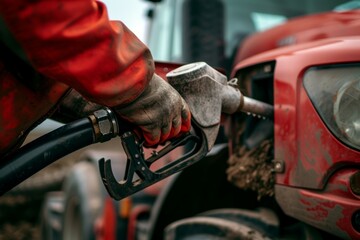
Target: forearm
74	42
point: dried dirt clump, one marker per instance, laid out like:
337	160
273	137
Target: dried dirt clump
253	169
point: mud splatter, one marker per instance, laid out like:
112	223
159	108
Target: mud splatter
253	169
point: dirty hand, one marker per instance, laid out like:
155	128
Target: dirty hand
160	112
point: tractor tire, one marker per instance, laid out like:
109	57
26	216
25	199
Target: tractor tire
83	199
211	229
51	216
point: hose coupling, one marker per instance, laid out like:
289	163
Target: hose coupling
105	125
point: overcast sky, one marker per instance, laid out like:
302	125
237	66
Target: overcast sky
131	12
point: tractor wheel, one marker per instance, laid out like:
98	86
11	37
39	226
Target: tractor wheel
211	229
51	216
83	202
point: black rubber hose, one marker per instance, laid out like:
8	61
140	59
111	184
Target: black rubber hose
43	151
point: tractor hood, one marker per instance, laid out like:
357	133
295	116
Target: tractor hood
301	30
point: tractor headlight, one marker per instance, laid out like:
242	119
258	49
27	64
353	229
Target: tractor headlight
335	93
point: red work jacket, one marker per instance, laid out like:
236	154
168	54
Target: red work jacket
73	45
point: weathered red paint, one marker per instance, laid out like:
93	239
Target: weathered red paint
300	30
302	141
329	209
313	157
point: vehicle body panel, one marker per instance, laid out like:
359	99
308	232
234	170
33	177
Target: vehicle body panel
301	30
305	148
314	186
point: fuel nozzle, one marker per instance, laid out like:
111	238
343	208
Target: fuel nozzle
207	91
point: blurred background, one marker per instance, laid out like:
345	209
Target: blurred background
133	13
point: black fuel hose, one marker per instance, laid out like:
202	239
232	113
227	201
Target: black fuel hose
43	151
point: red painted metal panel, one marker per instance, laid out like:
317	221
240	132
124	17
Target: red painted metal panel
302	142
330	209
301	30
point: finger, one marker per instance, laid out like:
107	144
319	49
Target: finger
176	126
139	133
165	133
185	118
152	138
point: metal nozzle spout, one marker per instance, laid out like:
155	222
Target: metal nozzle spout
255	107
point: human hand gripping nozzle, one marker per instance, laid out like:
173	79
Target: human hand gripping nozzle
208	94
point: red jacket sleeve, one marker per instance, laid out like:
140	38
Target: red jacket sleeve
74	42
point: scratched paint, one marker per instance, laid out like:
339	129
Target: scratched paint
330	209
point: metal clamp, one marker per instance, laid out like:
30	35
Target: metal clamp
105	125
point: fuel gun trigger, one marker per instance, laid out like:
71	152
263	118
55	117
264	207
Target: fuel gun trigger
138	174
